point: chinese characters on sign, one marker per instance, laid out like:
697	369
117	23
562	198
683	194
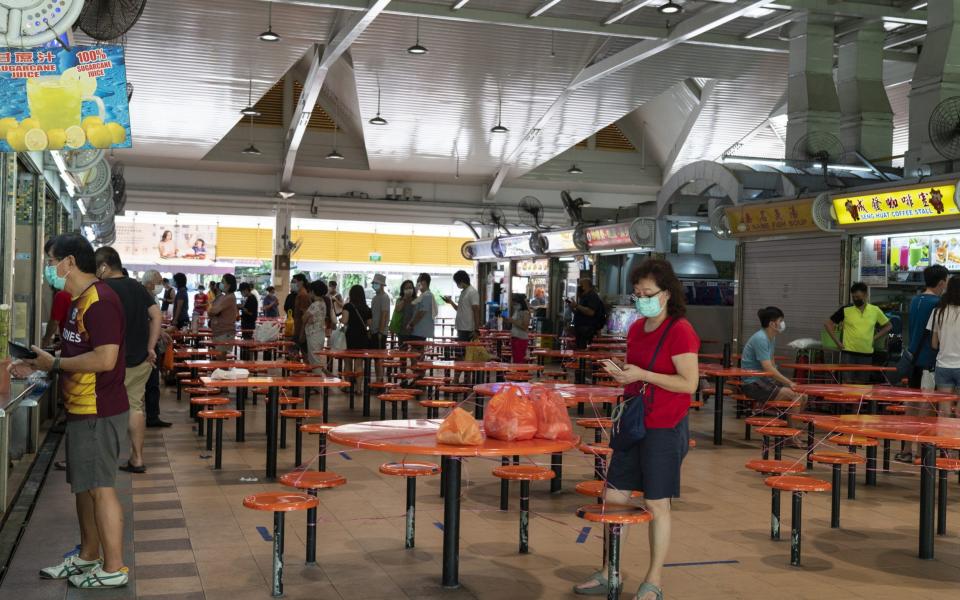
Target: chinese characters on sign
779	217
932	201
608	236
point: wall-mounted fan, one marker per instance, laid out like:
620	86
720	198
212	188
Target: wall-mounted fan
27	23
530	212
823	213
643	232
94	180
119	185
573	206
538	243
107	20
78	161
492	216
819	147
720	224
290	246
580	238
944	128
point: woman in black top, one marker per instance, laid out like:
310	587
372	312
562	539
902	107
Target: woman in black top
357	316
248	312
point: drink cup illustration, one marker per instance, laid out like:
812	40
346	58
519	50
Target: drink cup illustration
56	101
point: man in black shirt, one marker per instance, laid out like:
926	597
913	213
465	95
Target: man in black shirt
181	303
143	320
248	312
588	313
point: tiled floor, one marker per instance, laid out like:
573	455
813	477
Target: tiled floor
189	537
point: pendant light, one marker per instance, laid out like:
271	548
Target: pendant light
499	128
334	155
417	48
378	120
249	110
670	8
269	35
574	170
251	150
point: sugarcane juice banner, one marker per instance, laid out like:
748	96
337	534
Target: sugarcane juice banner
59	99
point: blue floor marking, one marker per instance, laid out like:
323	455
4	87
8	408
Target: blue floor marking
704	563
438	525
584	533
265	534
345	455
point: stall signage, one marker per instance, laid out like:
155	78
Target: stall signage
59	99
532	268
518	245
873	261
609	236
769	218
560	241
937	200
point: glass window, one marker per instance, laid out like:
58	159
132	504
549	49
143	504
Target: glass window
25	263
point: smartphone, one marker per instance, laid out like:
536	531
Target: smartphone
611	366
19	351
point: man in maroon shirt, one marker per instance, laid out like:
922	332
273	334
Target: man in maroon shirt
92	367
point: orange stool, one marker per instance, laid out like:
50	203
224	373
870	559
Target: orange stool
321	429
895	409
279	503
410	470
524	474
311	481
396	397
601	451
836	460
595	489
780	434
381	387
433	407
597	425
761	422
852	442
218	416
798	486
775	467
199	403
351	377
518	377
614	517
454	391
298	415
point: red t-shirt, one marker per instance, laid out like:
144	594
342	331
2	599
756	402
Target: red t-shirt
95	318
61	304
667	408
200	303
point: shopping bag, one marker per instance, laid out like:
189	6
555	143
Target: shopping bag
266	332
168	358
289	328
510	416
477	354
338	340
459	429
553	420
396	322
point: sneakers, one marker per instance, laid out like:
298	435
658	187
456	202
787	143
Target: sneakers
71	565
98	578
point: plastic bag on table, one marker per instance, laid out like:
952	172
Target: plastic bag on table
459	429
553	420
167	365
266	332
510	416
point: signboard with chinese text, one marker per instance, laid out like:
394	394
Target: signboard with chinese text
931	200
795	216
59	99
609	236
533	268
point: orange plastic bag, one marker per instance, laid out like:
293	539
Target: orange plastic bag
168	359
459	429
510	416
553	420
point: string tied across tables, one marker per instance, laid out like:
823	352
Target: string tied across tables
367	356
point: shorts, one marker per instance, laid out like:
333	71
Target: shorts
947	378
761	390
135	380
93	451
653	465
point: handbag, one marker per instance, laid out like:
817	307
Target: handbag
628	427
396	322
338	340
908	359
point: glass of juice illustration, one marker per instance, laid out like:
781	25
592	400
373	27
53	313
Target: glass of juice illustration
55	100
904	258
915	255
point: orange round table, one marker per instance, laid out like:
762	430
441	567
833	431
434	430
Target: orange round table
876	393
419	437
721	374
581	356
367	356
927	431
836	369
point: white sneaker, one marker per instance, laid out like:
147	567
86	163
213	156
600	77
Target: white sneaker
98	578
72	565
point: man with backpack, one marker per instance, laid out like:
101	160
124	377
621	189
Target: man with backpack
589	313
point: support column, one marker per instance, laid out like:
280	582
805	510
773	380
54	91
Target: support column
866	124
937	77
281	277
812	102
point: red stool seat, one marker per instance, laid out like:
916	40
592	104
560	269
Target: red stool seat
280	501
837	458
301	413
223	413
437	403
395	396
455	389
595	423
316	428
596	448
796	483
895	409
778	431
595	489
199	391
524	473
765	422
857	441
410	469
312	480
383	385
289	400
405	376
209	401
614	514
775	467
943	464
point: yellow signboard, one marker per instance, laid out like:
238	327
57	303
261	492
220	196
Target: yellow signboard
795	216
932	200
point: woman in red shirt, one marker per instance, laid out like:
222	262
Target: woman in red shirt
664	380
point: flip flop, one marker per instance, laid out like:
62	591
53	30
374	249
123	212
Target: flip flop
132	469
599	587
904	457
647	587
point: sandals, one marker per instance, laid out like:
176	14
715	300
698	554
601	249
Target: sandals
647	587
133	469
904	457
599	587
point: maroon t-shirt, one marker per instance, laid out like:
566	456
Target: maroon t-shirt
95	318
668	408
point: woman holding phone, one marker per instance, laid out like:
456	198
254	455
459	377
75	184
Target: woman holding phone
661	371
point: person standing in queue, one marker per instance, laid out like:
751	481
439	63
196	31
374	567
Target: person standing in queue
91	366
661	371
181	302
519	321
169	294
223	311
467	307
380	308
336	300
420	327
860	321
151	281
143	322
356	318
317	323
301	302
406	307
271	304
589	313
249	311
758	355
920	348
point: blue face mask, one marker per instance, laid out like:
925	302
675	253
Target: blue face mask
649	307
50	274
376	287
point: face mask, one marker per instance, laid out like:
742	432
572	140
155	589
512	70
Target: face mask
295	287
50	274
858	303
376	287
408	292
782	326
648	307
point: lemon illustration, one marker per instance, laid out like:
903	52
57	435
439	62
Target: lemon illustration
15	139
118	132
99	136
6	124
35	140
89	122
31	123
56	139
76	137
81	79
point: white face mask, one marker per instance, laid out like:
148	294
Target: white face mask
408	292
782	326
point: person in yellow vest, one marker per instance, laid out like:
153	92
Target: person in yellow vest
863	324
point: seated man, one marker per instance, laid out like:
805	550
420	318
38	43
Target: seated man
758	356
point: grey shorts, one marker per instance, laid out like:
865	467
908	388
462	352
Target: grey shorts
93	451
653	465
761	390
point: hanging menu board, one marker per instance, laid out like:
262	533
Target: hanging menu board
873	261
945	250
909	254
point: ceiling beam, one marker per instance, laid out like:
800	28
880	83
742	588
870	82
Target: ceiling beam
771	24
700	23
899	38
626	10
544	7
688	125
320	64
857	9
459	4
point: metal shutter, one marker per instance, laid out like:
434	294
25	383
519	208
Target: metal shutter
801	276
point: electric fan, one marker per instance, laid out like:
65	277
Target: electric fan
25	23
944	128
530	212
106	20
